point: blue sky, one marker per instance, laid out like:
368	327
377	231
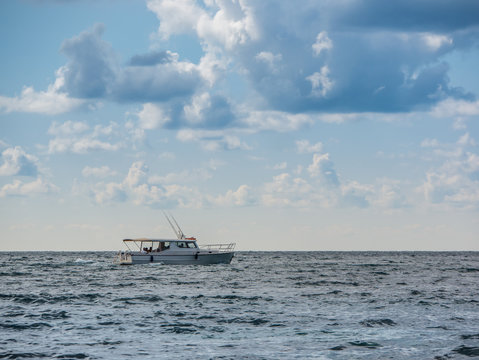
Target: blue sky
334	125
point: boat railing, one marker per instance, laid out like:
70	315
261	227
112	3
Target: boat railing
219	247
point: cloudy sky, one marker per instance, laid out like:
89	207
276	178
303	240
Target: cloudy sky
280	125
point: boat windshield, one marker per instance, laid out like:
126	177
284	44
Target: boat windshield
186	244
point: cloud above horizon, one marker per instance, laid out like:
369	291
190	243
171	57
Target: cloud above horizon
15	161
331	57
326	57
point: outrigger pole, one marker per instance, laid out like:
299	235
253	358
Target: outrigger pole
177	229
180	232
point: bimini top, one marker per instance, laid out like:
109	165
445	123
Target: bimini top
190	239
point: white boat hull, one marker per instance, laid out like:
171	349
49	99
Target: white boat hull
197	258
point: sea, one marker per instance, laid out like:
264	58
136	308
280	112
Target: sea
264	305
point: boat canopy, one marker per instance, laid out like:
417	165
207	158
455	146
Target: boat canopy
159	240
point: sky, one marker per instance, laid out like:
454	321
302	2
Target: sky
324	125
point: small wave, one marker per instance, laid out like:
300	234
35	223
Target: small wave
338	348
50	315
252	321
442	327
370	265
206	317
36	325
367	344
182	328
55	315
14	314
108	323
467	350
424	303
83	261
325	283
141	298
470	336
128	285
72	356
14	274
465	301
89	327
23	299
21	355
44	298
258	321
377	322
105	343
237	297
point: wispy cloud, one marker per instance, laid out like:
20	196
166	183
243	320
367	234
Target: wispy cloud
20	188
51	102
79	138
455	182
99	172
304	147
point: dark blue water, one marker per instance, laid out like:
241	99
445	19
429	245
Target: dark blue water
264	305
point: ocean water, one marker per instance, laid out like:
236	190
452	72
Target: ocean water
264	305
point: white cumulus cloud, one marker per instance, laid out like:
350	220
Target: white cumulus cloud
320	82
20	188
239	197
304	147
74	137
50	102
15	161
152	116
323	43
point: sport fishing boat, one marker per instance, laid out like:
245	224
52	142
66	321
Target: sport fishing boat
182	250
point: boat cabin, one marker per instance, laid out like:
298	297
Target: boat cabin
158	245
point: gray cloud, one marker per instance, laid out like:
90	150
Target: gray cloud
374	56
202	111
90	71
342	56
417	15
93	71
151	59
159	83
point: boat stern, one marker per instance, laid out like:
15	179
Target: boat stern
123	258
